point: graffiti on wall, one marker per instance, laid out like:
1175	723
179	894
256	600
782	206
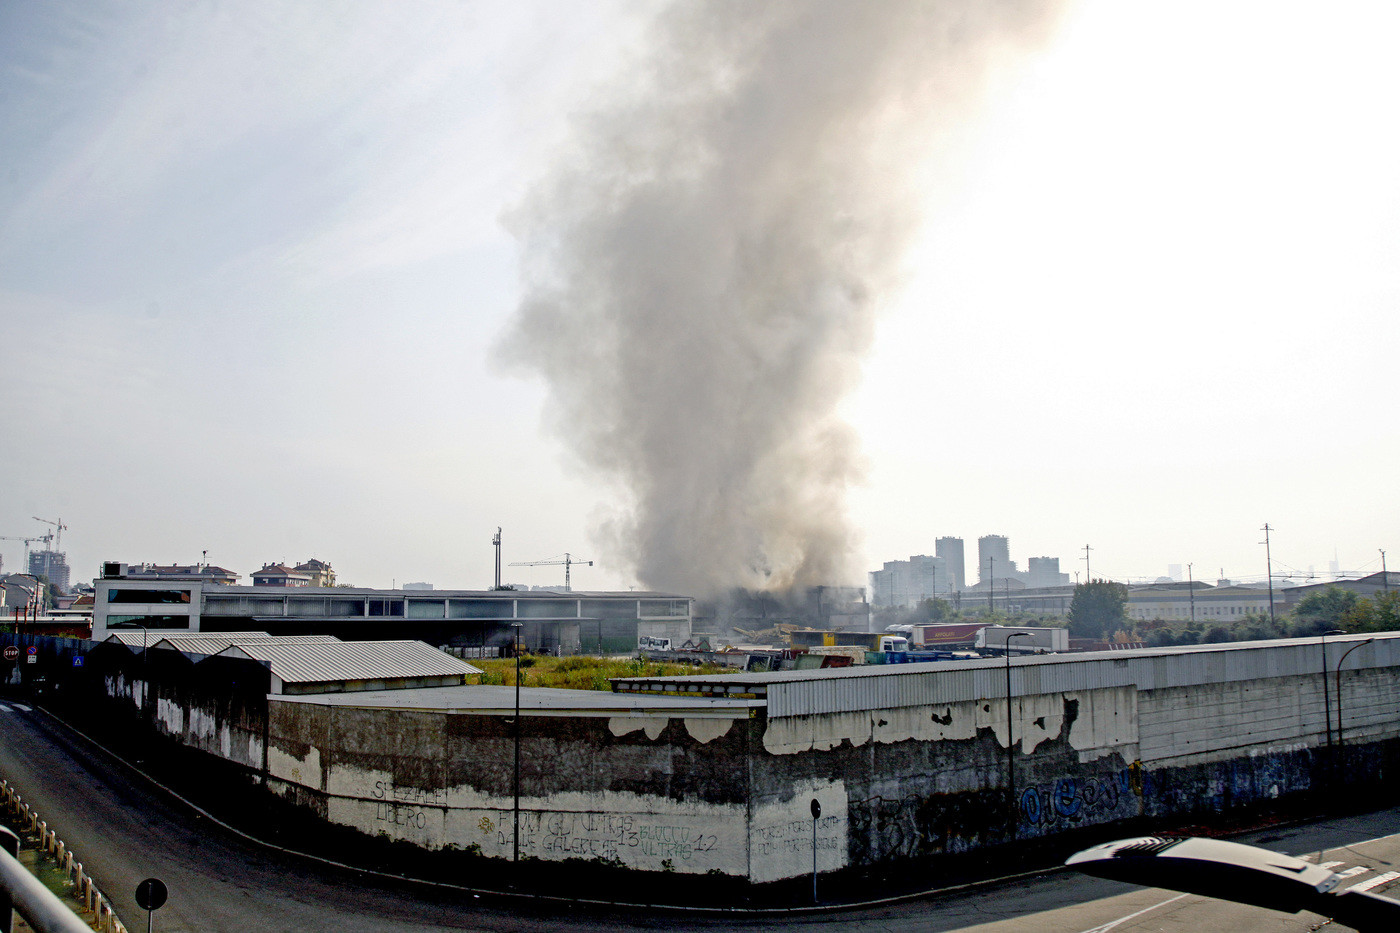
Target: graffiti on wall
403	806
911	826
887	828
603	836
1218	786
798	836
1070	801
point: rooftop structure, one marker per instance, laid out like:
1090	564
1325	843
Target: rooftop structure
204	573
549	621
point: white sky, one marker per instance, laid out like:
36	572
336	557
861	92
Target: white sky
254	262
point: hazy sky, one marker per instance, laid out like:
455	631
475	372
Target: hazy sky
258	263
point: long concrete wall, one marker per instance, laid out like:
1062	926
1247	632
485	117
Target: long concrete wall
904	764
642	792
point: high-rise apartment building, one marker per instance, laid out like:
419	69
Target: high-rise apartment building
993	558
50	564
1044	571
951	550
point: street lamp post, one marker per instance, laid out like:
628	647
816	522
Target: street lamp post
1326	695
1010	748
1341	746
515	647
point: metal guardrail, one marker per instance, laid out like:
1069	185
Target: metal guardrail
43	910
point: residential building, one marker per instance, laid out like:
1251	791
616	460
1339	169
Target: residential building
21	594
205	573
50	564
1043	572
318	572
280	575
994	558
951	550
906	583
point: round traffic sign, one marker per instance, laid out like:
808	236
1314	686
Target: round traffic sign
151	893
11	652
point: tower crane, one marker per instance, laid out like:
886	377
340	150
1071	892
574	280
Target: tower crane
568	561
27	541
59	526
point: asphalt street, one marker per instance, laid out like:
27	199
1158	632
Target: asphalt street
125	829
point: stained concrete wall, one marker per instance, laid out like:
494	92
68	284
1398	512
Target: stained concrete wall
653	793
647	790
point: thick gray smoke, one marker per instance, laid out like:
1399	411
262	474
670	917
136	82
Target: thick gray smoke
703	269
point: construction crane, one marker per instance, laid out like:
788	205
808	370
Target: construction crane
27	541
58	545
568	561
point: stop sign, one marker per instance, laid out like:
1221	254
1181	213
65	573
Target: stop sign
11	652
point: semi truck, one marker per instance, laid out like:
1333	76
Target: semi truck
945	635
1038	639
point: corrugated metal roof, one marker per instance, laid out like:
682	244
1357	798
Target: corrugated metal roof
215	642
137	638
351	661
865	687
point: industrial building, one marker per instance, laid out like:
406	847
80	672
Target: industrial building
469	622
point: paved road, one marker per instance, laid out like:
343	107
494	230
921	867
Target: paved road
126	830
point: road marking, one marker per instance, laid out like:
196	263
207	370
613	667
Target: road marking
1331	864
1104	928
11	707
1353	872
1375	882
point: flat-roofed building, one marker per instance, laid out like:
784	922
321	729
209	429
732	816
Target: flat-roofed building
472	623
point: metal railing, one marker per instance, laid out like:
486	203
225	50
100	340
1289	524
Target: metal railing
43	910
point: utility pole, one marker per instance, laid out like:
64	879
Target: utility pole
991	581
1385	575
1269	557
1088	577
1191	591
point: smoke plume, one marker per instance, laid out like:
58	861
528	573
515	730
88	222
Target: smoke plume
703	267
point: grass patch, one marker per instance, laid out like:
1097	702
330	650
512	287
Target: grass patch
579	672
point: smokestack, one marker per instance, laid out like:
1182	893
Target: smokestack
703	267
